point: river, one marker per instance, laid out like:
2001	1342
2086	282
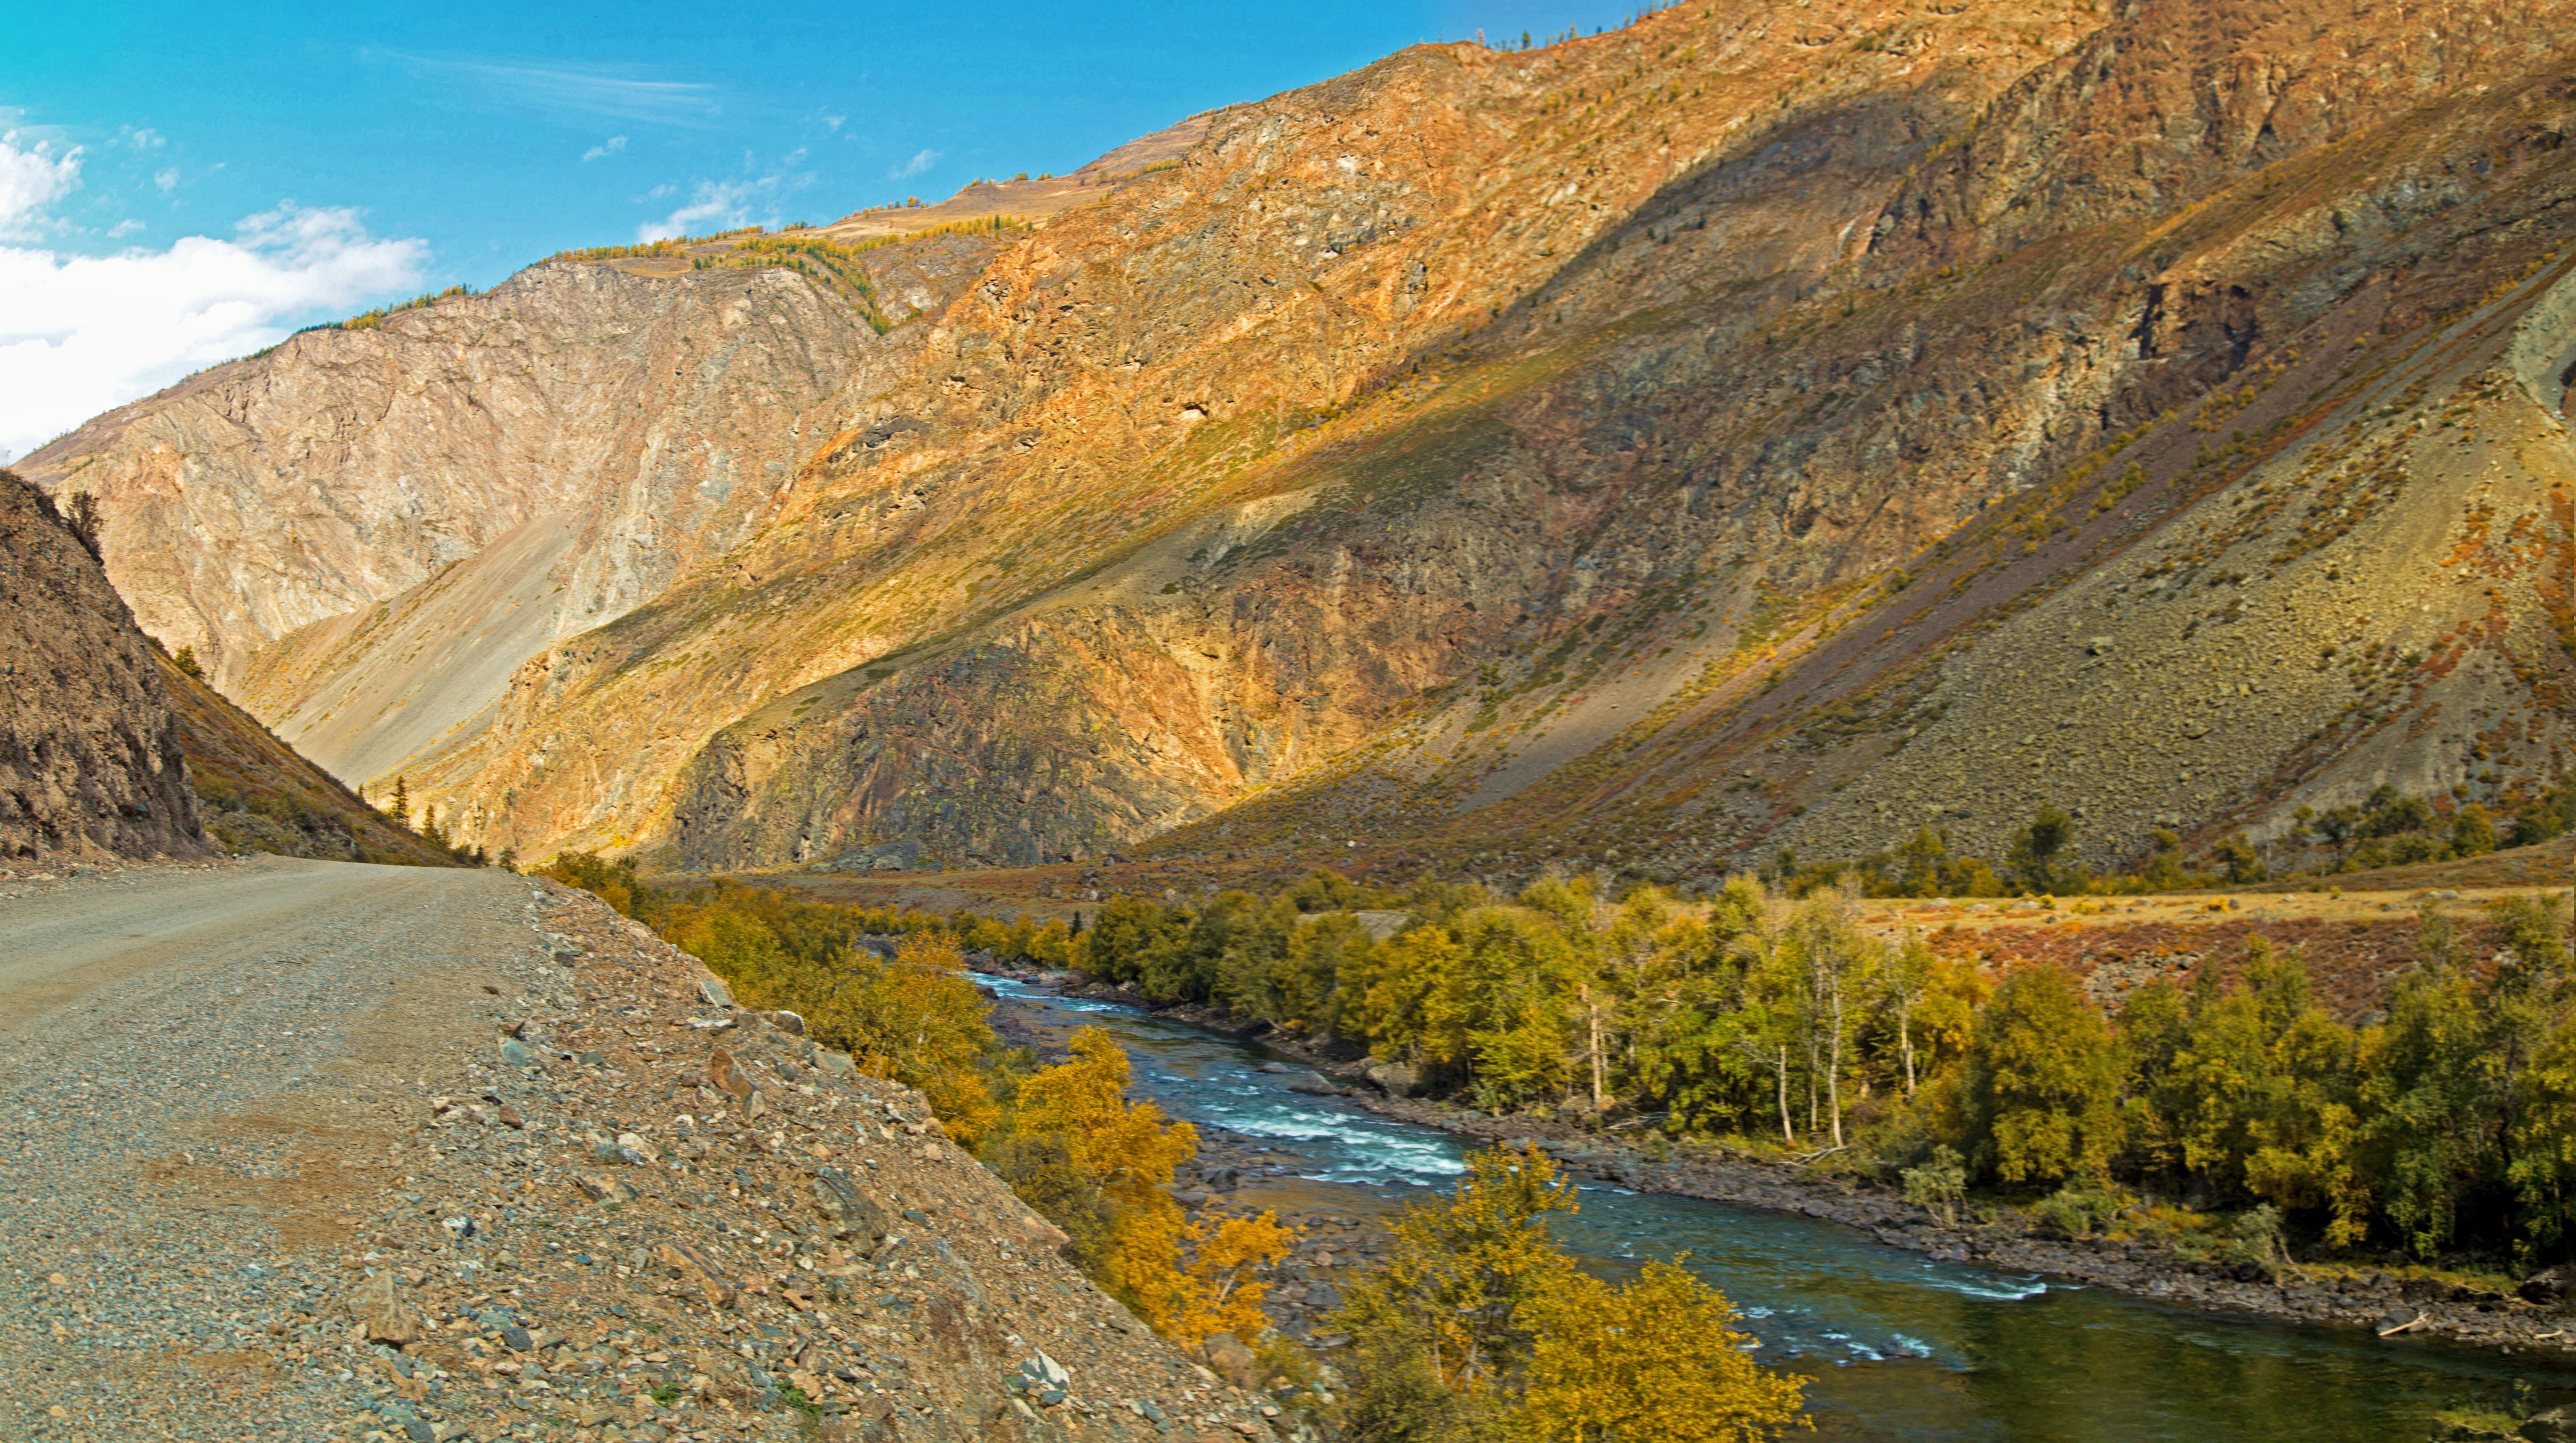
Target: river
1898	1347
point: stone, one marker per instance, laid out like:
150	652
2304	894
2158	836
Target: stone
379	1308
600	1187
1314	1084
714	993
850	1212
1233	1361
1395	1079
784	1021
2553	1288
514	1053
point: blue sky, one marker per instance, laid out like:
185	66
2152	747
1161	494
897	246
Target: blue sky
180	183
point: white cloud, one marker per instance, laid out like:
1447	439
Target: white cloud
921	161
611	146
144	139
82	334
168	180
124	228
716	205
31	178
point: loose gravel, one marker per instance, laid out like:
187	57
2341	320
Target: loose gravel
306	1150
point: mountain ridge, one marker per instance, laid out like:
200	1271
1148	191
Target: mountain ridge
1474	457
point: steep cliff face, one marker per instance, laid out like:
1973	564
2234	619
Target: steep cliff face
364	531
90	764
1747	427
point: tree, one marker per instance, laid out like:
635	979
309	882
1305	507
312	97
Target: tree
1459	1276
1128	1152
2473	832
401	811
1657	1361
1903	977
187	663
2034	852
1837	958
1219	1292
2043	1082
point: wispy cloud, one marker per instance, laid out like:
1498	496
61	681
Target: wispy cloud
168	180
921	160
748	199
615	91
611	146
82	334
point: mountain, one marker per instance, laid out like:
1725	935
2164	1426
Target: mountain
1747	429
90	765
257	794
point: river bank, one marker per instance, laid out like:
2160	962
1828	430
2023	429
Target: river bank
2336	1294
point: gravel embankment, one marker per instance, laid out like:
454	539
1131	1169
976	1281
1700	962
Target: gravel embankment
321	1151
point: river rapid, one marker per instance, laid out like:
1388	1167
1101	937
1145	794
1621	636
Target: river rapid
1898	1347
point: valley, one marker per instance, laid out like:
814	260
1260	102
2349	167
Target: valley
1856	713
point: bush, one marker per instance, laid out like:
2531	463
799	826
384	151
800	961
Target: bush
1939	1185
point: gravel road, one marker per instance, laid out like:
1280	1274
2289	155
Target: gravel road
297	1150
203	1065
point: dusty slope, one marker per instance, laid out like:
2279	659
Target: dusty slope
292	1080
90	758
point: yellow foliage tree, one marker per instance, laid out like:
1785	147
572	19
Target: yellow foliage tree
1657	1361
1219	1294
1457	1275
1132	1149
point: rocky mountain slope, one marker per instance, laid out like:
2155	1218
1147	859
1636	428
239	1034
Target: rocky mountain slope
1745	428
90	764
257	794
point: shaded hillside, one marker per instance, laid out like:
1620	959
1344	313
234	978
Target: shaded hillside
90	759
257	795
1744	429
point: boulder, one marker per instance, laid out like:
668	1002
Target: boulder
386	1317
852	1213
1395	1079
714	993
1232	1360
1314	1084
2558	1425
2555	1288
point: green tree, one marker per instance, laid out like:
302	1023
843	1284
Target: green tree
2043	1082
2035	850
2473	832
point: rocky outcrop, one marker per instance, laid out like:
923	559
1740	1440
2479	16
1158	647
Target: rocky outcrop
90	764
